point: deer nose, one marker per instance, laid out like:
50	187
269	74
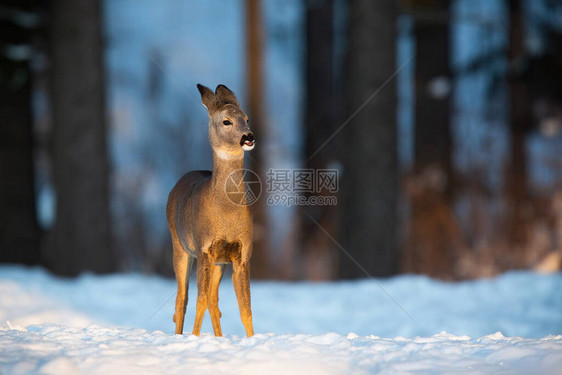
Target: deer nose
247	142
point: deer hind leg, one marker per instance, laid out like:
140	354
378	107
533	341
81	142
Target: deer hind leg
241	281
205	265
183	263
214	312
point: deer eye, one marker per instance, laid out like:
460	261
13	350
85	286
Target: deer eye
227	122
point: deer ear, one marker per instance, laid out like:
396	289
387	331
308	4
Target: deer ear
208	97
225	95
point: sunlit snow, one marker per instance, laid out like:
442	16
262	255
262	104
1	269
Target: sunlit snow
114	325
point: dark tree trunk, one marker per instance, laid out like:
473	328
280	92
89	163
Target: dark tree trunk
319	254
19	233
80	239
517	192
432	135
433	235
254	74
368	143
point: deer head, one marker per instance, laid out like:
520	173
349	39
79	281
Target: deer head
229	131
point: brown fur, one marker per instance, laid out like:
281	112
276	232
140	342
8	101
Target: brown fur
205	224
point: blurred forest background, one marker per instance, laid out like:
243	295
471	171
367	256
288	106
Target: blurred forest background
444	119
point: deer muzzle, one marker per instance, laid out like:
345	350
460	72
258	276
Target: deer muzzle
248	142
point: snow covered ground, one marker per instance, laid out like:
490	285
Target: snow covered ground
114	325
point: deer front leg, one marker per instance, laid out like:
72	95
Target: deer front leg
205	265
182	268
214	312
241	281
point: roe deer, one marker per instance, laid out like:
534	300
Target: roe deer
205	224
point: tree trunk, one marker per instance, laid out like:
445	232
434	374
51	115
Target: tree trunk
319	255
517	192
432	135
368	143
80	239
19	232
254	48
434	236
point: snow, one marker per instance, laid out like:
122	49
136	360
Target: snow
122	324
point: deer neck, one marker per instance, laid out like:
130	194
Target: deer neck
224	164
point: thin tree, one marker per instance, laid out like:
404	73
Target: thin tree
256	107
520	120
